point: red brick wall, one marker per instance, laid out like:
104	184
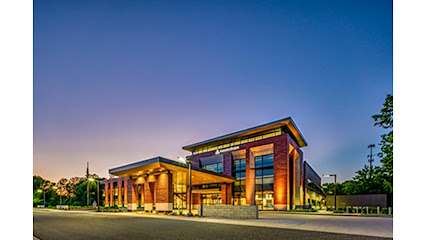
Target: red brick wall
164	188
281	174
281	165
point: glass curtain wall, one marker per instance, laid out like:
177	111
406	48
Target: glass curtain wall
215	167
179	196
265	181
239	186
211	198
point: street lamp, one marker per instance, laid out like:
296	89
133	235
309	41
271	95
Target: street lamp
93	180
335	189
44	196
60	197
190	184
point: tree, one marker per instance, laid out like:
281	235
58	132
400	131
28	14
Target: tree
385	120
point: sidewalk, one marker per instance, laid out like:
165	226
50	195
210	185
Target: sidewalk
328	213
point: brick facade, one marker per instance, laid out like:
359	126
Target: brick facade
289	180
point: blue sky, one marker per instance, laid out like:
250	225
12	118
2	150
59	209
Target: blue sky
119	81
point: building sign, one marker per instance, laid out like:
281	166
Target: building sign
226	150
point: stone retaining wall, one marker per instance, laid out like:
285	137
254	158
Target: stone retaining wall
229	211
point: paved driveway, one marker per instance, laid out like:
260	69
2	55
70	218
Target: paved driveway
81	225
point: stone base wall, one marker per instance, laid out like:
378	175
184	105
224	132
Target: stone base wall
132	207
229	211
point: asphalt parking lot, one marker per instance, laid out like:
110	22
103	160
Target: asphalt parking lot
77	225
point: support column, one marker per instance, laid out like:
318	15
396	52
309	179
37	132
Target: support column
131	195
164	192
149	189
106	192
196	198
119	192
229	193
250	178
223	193
111	193
125	192
281	174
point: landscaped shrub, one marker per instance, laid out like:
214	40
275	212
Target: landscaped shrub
339	211
306	210
384	210
180	213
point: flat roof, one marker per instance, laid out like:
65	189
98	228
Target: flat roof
151	165
298	137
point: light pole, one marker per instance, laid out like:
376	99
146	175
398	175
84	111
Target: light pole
190	185
371	160
335	189
93	180
87	191
44	196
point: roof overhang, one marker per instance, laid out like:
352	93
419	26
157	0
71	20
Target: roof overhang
287	123
158	165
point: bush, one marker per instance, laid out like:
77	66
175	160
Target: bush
306	210
384	210
180	213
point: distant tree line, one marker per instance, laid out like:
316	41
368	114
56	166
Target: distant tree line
73	191
380	179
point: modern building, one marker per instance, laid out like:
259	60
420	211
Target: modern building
262	166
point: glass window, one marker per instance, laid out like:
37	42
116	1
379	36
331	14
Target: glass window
264	181
239	164
264	161
215	167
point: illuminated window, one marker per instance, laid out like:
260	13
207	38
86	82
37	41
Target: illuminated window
264	181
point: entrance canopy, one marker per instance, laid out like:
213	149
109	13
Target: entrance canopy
157	165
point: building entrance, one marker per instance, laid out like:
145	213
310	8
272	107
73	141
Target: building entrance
211	199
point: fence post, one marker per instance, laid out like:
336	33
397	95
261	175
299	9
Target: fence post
367	210
347	209
390	210
378	209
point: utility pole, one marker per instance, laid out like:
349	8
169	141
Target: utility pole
371	160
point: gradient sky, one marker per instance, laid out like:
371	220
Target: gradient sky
120	81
